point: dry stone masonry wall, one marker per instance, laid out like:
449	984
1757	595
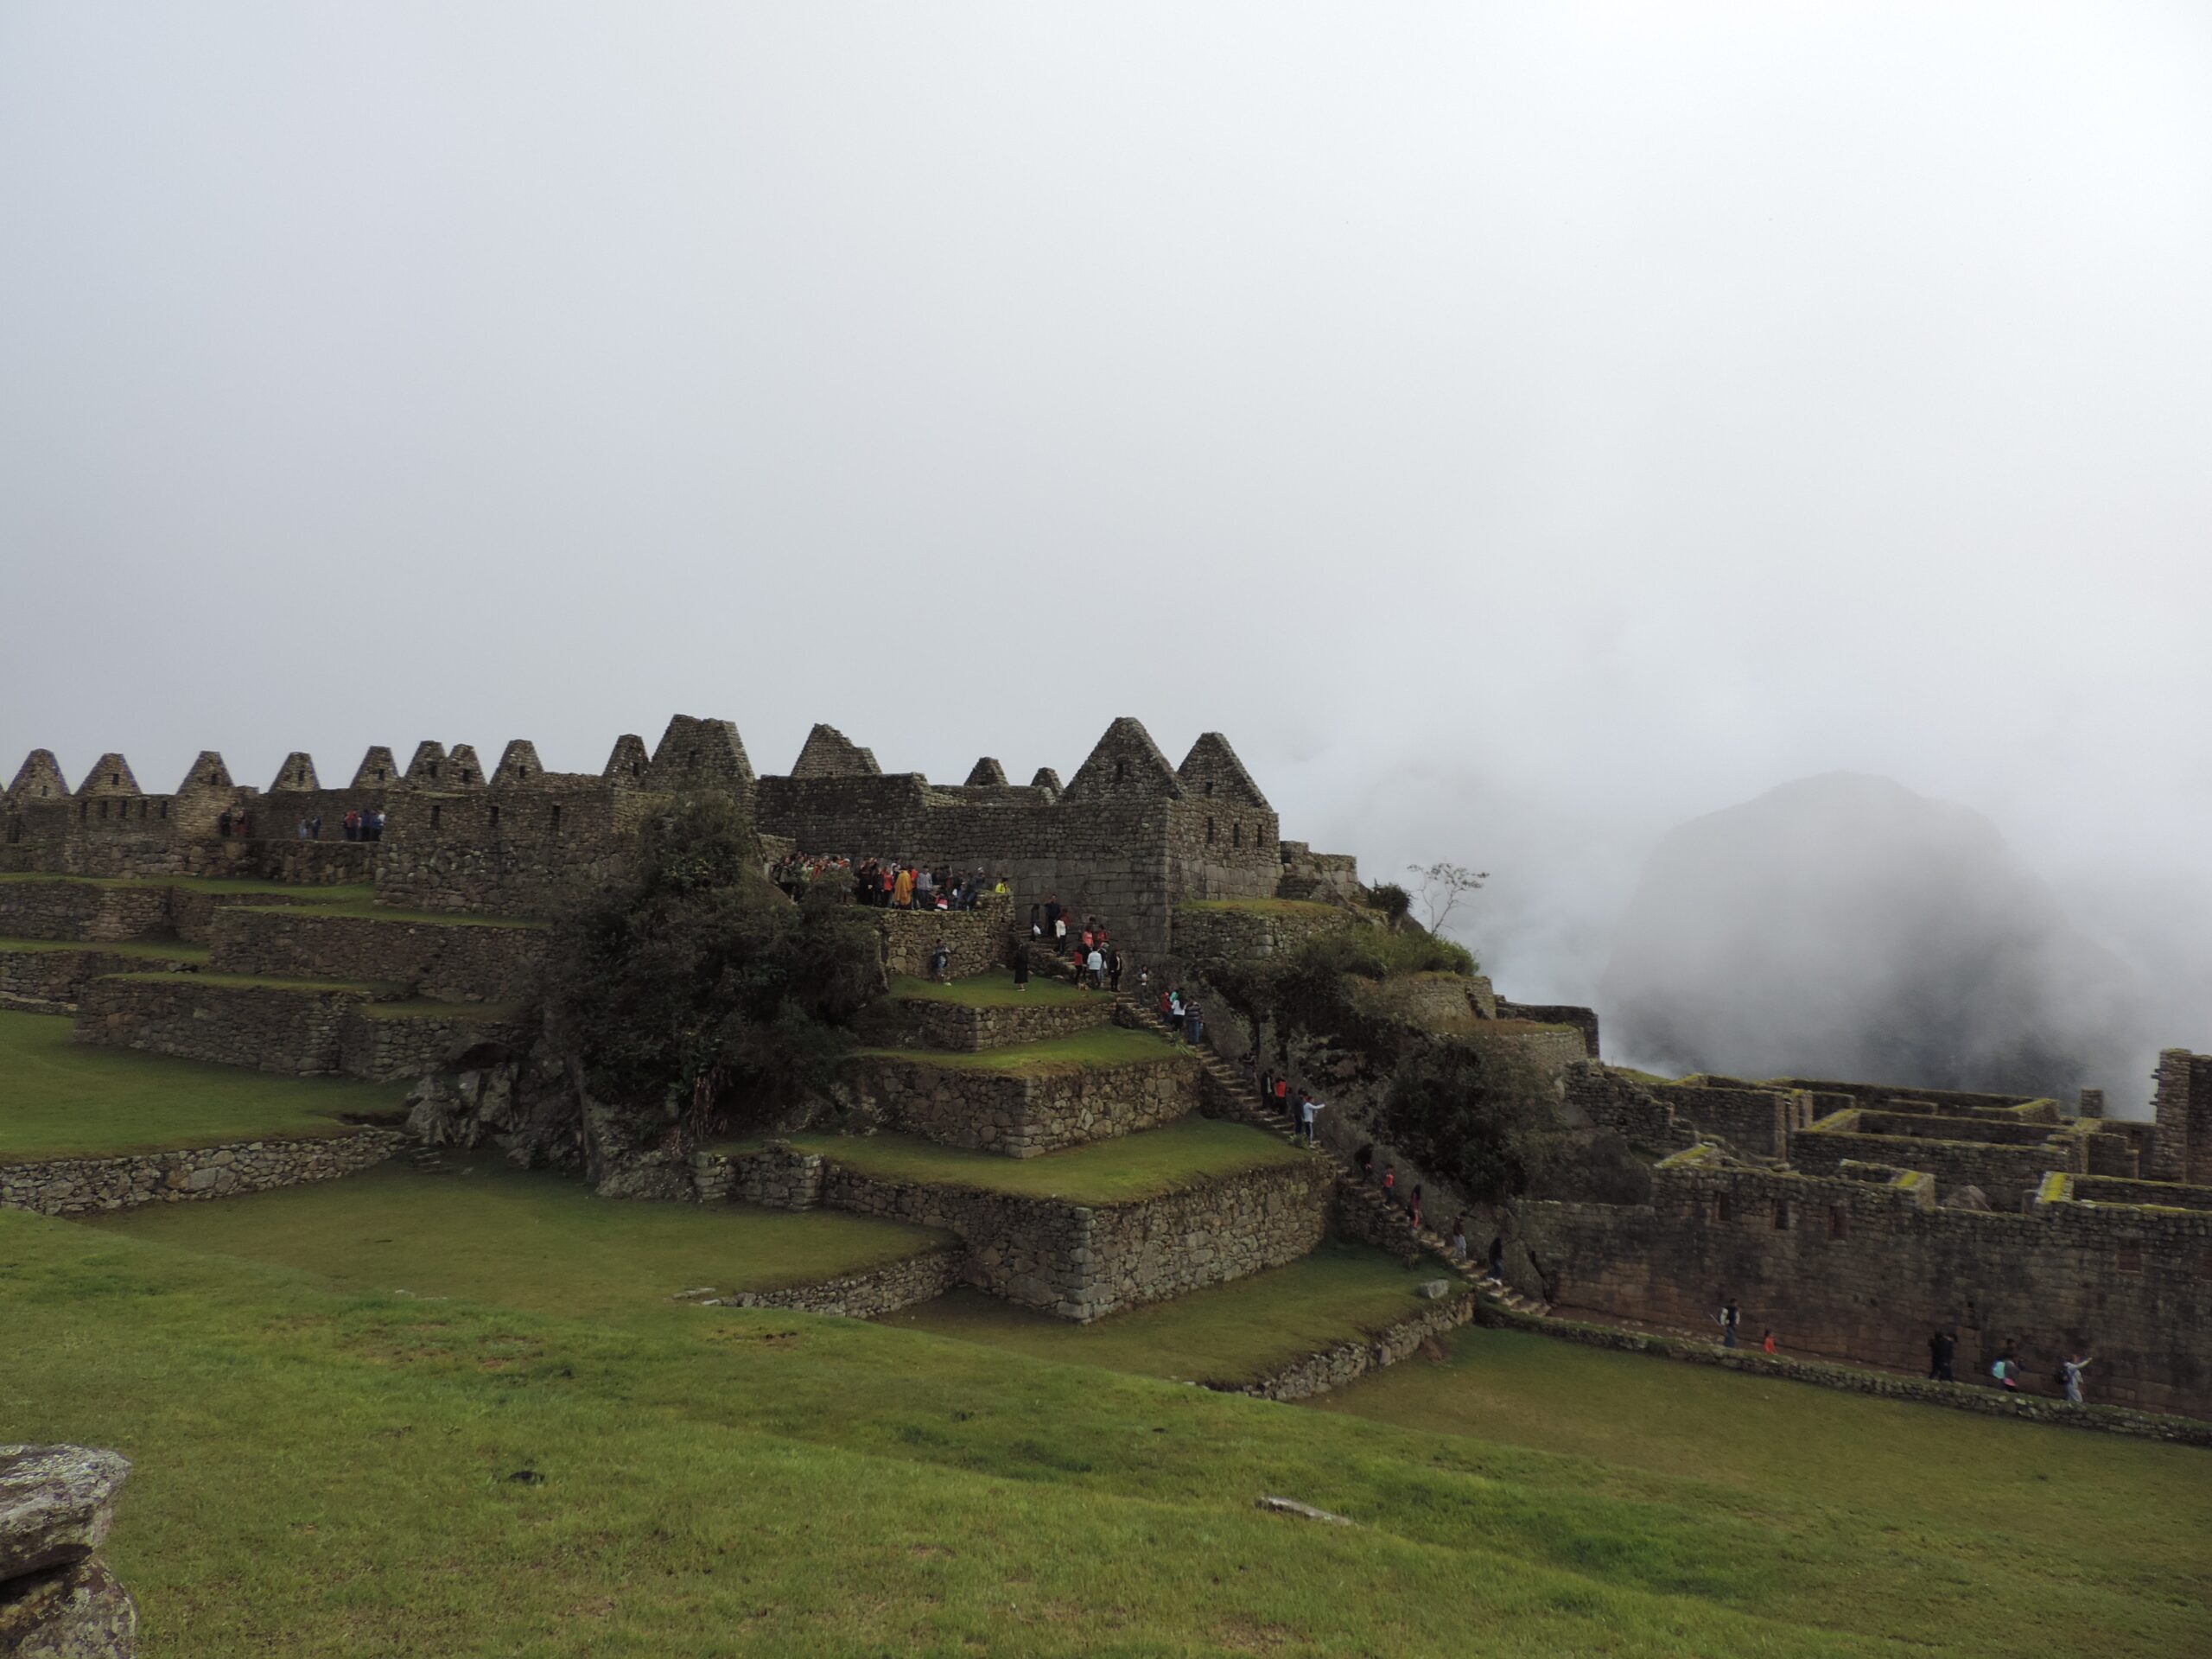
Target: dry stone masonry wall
1022	1114
74	1186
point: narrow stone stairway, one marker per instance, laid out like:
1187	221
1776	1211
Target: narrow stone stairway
1394	1222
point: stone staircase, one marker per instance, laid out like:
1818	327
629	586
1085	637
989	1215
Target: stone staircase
1385	1219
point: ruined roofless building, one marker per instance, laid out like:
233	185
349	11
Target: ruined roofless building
1127	837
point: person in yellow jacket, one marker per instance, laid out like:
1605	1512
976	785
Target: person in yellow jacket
902	890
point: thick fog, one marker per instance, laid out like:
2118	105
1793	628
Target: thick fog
1520	429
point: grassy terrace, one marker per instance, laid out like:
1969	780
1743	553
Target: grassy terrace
493	1234
1185	1153
326	1469
170	952
307	894
995	990
367	910
1101	1045
424	1008
1232	1334
60	1099
272	982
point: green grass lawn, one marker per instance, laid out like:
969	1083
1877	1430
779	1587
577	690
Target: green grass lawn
1232	1333
329	1470
271	983
1185	1153
1082	1050
507	1237
171	951
994	990
60	1099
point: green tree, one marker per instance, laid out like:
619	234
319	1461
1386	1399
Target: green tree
696	993
1477	1117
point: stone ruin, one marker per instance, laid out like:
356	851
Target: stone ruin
56	1596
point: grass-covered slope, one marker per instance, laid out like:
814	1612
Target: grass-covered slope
484	1230
60	1099
1101	1045
326	1472
994	990
1186	1153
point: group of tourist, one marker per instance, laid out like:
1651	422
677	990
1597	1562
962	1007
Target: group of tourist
885	883
359	824
1299	1107
2005	1370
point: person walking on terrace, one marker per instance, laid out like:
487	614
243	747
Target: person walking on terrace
1021	969
2006	1371
1728	1319
1766	1344
1114	969
1458	1246
1194	1024
1940	1347
2069	1376
1282	1098
1095	965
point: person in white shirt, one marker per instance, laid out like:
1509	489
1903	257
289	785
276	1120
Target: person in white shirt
1094	965
1306	1109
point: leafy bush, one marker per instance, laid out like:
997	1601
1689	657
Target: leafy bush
696	992
1477	1117
1393	900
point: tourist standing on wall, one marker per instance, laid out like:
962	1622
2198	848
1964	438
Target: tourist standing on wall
1306	1108
1729	1318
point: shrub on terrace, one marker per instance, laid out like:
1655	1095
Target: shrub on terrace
1478	1117
696	992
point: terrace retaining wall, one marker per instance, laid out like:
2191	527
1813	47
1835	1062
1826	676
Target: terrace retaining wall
1347	1362
1021	1114
867	1296
452	962
61	976
929	1023
71	1186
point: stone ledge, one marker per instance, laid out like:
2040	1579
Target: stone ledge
1957	1397
73	1186
1328	1369
867	1296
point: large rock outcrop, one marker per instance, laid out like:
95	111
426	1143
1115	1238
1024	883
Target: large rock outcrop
56	1601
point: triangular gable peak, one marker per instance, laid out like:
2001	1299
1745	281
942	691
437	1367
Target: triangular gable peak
38	778
1046	778
518	763
296	773
1126	765
696	753
429	765
828	752
464	771
111	775
627	764
1212	771
207	772
378	769
986	773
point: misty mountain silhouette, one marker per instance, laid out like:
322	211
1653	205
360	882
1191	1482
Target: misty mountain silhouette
1843	927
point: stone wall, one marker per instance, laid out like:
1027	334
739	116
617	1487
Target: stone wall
59	976
1597	1097
1081	1262
71	1186
1755	1121
776	1176
926	1022
381	1045
1022	1114
1347	1362
190	1017
82	911
2008	1175
521	850
1584	1020
1226	930
457	962
1864	1270
2183	1106
867	1296
980	938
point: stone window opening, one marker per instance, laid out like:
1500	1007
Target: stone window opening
83	811
1236	835
554	820
465	775
692	760
1722	1211
2129	1258
1781	1215
431	771
165	810
495	818
522	772
437	815
103	809
1839	1222
213	779
115	780
15	829
379	774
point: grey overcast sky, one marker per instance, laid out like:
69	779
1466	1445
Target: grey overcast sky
1518	427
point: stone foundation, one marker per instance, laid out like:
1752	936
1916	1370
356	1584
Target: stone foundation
452	962
1022	1115
1082	1262
863	1295
1347	1362
71	1186
57	976
925	1022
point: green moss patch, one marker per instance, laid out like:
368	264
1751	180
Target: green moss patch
993	991
1101	1047
63	1099
1190	1153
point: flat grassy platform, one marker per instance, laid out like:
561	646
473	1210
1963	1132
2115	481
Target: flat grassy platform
993	991
366	910
150	952
1187	1153
268	982
60	1099
507	1237
358	893
1232	1334
1099	1047
326	1471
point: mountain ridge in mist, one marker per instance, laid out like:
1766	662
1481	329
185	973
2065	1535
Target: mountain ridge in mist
1843	926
